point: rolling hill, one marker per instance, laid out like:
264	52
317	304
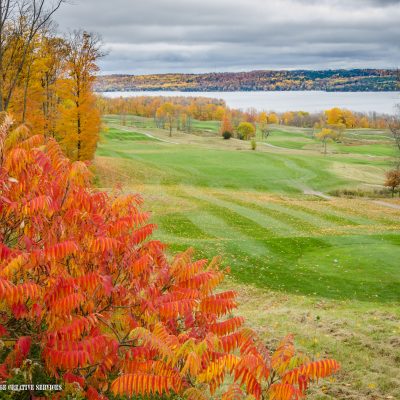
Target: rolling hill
329	80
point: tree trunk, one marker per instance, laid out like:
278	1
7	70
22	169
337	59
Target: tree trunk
79	136
28	77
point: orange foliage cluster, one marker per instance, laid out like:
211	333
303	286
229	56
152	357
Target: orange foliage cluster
335	118
201	108
348	119
54	92
86	293
393	180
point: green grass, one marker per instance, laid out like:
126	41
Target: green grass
337	259
140	122
356	141
234	170
124	136
321	250
366	149
208	126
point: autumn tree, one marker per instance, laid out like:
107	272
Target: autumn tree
167	111
20	23
334	116
393	180
340	117
94	301
287	117
79	116
327	135
251	115
349	119
36	99
363	122
186	121
51	61
188	115
302	119
263	125
39	78
246	130
160	118
226	125
273	118
394	126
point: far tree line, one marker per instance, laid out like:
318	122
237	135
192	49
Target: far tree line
329	80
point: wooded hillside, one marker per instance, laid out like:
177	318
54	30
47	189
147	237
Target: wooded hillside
329	80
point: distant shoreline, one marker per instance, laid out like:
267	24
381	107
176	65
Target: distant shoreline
244	91
355	80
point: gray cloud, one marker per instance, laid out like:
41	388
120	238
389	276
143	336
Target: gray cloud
150	36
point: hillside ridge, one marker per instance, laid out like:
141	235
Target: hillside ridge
338	80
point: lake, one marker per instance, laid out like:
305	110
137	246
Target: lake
311	101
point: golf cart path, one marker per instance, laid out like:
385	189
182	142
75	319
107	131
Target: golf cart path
317	193
383	203
327	197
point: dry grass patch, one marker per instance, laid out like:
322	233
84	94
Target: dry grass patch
364	337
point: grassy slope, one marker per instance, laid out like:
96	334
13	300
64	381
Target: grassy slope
321	266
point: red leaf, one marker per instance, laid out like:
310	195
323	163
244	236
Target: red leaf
70	378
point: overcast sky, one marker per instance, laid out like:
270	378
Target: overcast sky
156	36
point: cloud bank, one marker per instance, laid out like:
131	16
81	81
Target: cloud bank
157	36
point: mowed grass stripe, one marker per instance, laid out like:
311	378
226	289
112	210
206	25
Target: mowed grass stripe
178	225
226	236
211	221
369	213
326	210
258	225
292	214
242	226
118	135
223	237
316	222
281	214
